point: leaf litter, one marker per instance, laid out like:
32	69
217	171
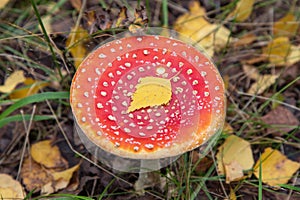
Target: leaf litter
282	51
46	170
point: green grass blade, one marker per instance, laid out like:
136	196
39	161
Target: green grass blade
290	187
165	13
15	118
34	99
260	180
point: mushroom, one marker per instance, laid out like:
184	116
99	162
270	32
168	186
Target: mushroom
106	80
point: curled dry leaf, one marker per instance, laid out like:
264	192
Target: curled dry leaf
193	25
281	121
151	91
286	26
276	168
242	10
234	156
48	155
12	81
10	188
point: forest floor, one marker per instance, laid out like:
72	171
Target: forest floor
254	44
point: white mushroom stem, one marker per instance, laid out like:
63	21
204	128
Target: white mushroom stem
149	165
147	178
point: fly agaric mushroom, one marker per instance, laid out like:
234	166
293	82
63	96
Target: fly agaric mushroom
148	97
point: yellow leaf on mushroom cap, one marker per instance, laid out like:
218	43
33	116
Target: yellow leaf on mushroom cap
151	91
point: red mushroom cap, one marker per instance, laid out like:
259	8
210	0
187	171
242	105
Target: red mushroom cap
105	81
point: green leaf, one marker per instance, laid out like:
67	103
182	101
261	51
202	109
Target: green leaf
15	118
34	99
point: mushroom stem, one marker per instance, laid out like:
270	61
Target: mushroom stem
149	165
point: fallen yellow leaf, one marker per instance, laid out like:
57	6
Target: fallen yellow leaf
242	10
233	171
234	156
244	40
3	3
151	91
281	53
194	26
12	81
62	178
75	44
276	168
286	26
262	83
278	50
48	155
10	188
32	87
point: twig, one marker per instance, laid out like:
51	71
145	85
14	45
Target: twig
269	99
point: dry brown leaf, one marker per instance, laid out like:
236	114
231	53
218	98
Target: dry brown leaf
75	44
202	164
44	153
286	26
276	168
251	72
140	20
10	188
227	129
38	178
194	26
77	4
12	81
234	156
33	175
242	10
151	91
262	83
62	178
33	87
244	40
281	53
122	17
281	121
